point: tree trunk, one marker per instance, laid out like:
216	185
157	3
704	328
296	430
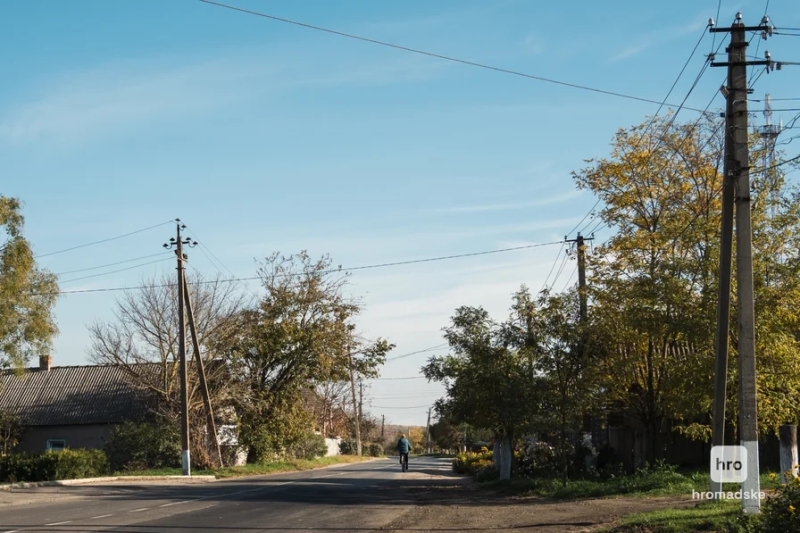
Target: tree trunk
502	457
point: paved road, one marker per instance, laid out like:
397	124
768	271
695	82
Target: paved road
361	497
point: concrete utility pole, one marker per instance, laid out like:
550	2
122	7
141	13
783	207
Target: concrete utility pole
355	400
428	432
724	291
581	246
201	372
178	243
736	134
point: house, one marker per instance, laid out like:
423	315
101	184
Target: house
69	406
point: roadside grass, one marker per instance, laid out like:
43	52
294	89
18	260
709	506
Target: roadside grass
706	516
641	484
276	467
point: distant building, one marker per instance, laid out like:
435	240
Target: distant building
70	406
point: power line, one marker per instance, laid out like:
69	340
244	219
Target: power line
105	240
560	270
574	270
384	407
432	348
435	55
397	379
332	271
112	264
663	103
204	248
115	271
555	262
584	217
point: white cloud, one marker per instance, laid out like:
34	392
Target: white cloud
115	98
629	51
555	199
534	45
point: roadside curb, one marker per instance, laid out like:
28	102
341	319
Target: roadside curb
187	479
339	465
82	481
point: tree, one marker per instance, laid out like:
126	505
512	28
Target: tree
653	285
10	431
296	337
330	408
565	365
27	293
445	435
142	338
363	361
487	382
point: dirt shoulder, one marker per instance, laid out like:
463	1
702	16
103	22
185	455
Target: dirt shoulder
455	503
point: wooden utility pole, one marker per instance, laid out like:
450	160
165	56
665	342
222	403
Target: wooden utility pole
383	424
736	134
580	241
178	243
201	372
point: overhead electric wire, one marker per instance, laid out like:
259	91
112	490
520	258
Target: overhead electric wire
398	379
104	240
332	271
663	103
414	407
716	19
678	78
758	45
204	248
432	54
432	348
112	264
585	216
574	270
560	270
115	271
555	262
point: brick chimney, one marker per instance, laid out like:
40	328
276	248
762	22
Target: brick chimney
45	362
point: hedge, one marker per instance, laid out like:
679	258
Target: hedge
52	466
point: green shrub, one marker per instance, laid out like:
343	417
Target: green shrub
474	463
52	466
375	449
144	445
348	447
781	512
309	447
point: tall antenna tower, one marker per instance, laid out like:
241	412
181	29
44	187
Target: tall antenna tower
769	132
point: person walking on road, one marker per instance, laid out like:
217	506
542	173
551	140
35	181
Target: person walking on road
403	448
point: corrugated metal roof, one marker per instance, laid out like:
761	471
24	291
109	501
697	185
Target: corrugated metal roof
68	395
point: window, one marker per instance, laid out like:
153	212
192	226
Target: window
56	445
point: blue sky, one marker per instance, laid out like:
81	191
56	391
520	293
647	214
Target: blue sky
263	136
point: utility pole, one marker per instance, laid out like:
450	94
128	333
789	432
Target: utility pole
383	424
581	246
201	372
724	291
736	133
178	243
355	401
428	432
360	401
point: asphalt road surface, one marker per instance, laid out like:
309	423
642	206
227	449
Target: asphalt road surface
360	497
